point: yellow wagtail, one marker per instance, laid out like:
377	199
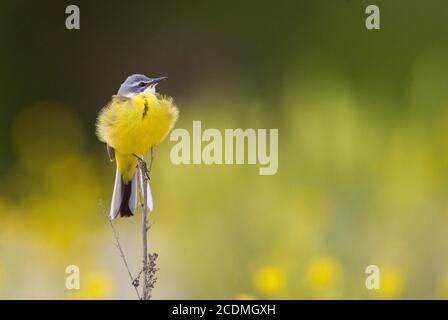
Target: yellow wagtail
136	119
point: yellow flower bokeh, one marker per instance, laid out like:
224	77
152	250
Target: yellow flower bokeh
323	272
391	283
269	280
2	272
96	286
442	287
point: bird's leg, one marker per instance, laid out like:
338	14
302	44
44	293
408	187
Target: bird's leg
138	158
142	166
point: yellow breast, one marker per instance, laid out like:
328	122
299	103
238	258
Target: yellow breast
133	125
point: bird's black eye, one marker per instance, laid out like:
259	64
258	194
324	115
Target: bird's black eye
141	84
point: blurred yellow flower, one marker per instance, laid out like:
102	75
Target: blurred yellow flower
96	286
442	287
244	296
323	272
2	272
391	283
269	280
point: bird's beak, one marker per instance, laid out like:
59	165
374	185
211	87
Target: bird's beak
155	81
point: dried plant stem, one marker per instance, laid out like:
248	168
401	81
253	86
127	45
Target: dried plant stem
148	268
145	233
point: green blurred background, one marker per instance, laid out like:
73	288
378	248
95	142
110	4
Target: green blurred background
363	153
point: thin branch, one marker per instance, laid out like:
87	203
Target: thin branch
144	231
134	281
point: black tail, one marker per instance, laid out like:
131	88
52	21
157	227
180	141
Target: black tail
125	211
124	197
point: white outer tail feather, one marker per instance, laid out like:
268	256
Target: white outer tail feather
117	195
149	196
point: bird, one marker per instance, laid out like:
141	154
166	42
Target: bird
136	119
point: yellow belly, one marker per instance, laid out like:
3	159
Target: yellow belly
133	125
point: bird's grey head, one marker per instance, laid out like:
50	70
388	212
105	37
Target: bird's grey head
138	83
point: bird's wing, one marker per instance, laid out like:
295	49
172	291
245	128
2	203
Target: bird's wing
111	152
108	116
